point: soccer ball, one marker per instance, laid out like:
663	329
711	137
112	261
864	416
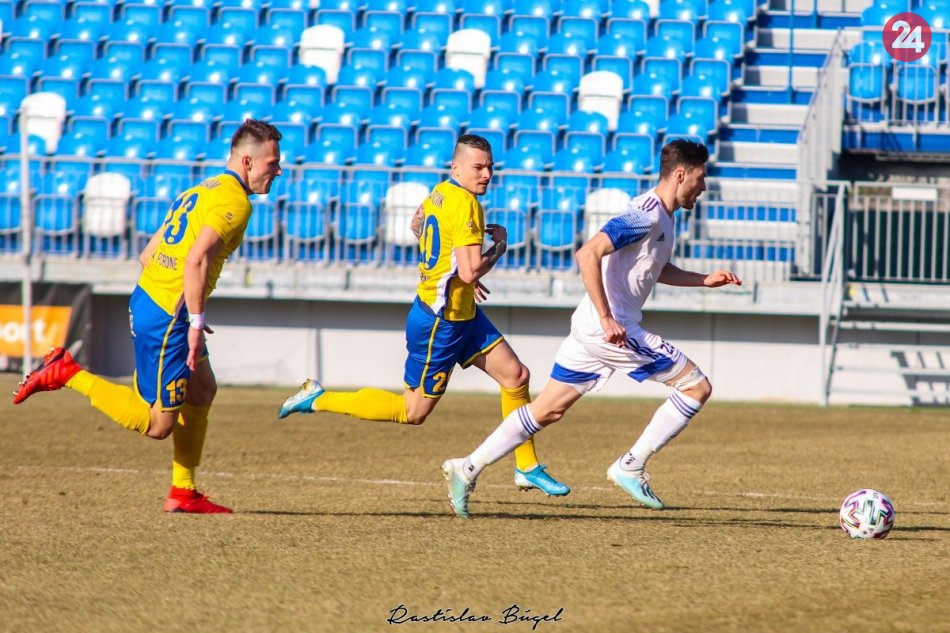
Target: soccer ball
867	514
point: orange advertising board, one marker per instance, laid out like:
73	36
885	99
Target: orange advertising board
49	329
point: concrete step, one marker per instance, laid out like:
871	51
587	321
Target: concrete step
782	114
773	154
824	6
805	39
803	77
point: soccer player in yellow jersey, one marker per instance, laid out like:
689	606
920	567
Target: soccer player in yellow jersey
445	327
173	384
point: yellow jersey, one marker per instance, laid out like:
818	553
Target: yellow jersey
453	218
221	203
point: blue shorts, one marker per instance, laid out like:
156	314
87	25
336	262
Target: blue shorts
161	352
435	346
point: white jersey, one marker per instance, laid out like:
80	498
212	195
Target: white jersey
643	239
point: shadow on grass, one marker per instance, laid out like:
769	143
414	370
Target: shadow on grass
667	516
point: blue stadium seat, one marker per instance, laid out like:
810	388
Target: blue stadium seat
99	12
646	115
539	144
568	67
392	116
586	30
270	56
359	98
581	121
554	81
535	27
620	45
717	70
340	114
83	31
518	42
728	11
128	52
408	100
439	25
456	101
681	31
225	55
175	54
305	227
294	20
453	79
290	111
866	94
294	141
431	6
439	116
632	30
407	77
653	83
48	12
686	125
490	24
441	138
241	19
195	132
194	17
502	100
868	53
131	30
520	65
370	60
703	110
310	97
390	23
259	73
663	46
878	14
339	136
417	61
731	33
489	117
493	7
556	104
392	138
395	6
140	129
422	40
257	93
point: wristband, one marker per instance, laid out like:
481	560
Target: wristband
197	321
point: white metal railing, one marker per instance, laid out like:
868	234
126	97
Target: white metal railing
347	215
819	142
832	293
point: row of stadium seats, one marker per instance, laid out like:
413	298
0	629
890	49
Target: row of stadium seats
111	220
883	89
936	12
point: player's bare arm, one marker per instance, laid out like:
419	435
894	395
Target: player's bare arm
415	225
150	248
197	265
472	263
589	259
675	276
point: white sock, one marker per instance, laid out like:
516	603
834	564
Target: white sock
669	421
510	434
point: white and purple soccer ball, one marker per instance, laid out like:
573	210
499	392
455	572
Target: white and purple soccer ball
867	514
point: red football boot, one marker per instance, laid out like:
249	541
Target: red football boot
185	500
58	367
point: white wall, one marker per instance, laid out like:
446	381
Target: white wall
345	344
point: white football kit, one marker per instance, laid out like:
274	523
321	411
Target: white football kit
643	238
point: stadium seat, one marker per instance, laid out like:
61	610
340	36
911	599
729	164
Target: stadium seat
578	29
399	206
554	104
702	110
423	40
486	23
105	214
567	67
521	66
602	92
468	50
621	66
408	100
601	205
519	42
322	46
507	100
619	166
489	117
535	27
728	11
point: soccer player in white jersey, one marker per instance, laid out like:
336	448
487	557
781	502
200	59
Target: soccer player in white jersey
619	267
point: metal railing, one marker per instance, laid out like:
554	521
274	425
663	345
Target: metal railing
819	142
356	216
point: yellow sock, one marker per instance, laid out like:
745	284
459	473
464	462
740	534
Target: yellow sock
525	456
117	401
189	439
366	404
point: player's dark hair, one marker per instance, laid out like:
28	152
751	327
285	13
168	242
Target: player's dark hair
682	153
474	141
256	132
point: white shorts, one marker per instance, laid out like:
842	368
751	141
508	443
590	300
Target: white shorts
587	363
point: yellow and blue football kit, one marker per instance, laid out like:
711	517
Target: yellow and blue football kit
157	313
444	326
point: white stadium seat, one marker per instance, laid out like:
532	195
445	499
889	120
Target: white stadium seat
601	205
322	46
402	200
602	91
469	49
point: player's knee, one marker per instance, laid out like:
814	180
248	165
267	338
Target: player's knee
700	392
524	375
416	418
159	430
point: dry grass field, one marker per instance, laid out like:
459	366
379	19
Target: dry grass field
339	522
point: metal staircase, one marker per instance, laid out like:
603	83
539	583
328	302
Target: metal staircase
882	343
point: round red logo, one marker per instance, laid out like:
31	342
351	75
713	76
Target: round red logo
907	37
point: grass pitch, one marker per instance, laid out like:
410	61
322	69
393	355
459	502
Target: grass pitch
340	522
